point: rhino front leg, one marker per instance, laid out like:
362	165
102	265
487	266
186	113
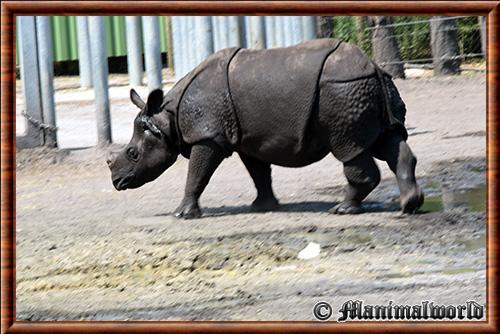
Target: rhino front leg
363	176
393	149
204	160
260	172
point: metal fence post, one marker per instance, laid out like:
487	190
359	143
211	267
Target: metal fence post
234	27
46	68
270	22
248	37
215	31
287	30
30	82
223	31
134	50
205	37
152	53
297	33
84	62
170	51
182	46
176	41
257	32
280	31
309	27
100	78
192	48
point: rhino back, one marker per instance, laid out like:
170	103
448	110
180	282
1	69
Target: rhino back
274	93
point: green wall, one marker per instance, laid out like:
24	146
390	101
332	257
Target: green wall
65	37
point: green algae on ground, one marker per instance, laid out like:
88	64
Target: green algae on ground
473	200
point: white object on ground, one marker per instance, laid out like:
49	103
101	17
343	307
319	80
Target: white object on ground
312	250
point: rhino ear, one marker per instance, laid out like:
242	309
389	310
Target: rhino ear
155	100
136	99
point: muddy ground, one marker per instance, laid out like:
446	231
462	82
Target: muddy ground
86	251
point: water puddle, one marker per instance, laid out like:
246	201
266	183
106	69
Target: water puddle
473	200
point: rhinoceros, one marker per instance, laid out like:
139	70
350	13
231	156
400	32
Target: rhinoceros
285	106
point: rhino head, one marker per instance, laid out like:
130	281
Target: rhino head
152	148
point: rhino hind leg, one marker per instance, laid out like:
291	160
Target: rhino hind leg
260	172
362	176
393	149
204	159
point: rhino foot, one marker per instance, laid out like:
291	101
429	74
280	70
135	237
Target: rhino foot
265	205
413	200
347	208
188	211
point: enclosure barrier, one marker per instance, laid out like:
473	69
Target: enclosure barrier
439	43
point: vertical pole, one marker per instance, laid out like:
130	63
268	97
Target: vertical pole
84	62
287	30
309	27
234	31
170	47
183	47
191	47
297	33
215	33
176	43
243	33
223	31
134	50
270	22
46	66
30	81
257	32
152	53
205	42
198	39
280	31
248	37
100	78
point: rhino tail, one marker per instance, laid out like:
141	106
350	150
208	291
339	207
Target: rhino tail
393	122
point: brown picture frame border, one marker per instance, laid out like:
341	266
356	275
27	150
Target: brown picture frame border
10	9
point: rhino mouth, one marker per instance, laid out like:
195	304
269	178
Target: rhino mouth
122	183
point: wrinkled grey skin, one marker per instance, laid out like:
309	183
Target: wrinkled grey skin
149	152
162	130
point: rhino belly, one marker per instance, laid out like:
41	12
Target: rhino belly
282	150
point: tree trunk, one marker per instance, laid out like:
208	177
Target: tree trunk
385	46
325	27
444	44
170	44
482	27
360	31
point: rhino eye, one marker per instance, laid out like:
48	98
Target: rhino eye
132	153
